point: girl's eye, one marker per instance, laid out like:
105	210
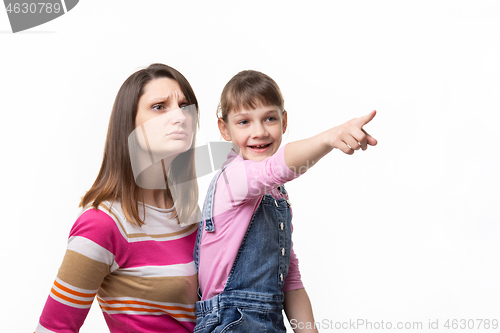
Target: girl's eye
271	119
243	122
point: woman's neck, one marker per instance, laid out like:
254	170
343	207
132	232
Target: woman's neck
154	185
157	198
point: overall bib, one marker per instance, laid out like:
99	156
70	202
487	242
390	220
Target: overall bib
252	299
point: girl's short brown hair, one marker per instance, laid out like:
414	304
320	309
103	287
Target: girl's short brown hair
249	89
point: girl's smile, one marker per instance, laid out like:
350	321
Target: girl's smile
259	148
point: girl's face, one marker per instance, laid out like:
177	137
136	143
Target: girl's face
256	133
165	119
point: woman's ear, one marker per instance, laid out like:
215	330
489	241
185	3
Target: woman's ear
224	131
284	121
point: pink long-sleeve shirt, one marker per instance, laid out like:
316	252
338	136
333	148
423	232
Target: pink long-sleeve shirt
238	193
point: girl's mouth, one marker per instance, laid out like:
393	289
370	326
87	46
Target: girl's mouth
260	146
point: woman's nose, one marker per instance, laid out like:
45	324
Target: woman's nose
178	116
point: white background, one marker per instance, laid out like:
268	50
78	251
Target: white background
406	231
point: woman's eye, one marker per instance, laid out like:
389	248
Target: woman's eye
158	107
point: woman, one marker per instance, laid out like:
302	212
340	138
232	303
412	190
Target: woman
132	245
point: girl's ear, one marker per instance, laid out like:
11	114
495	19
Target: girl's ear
224	131
284	121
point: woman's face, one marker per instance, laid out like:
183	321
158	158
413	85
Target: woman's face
164	121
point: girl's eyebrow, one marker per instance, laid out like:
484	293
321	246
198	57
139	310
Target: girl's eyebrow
241	114
271	111
245	113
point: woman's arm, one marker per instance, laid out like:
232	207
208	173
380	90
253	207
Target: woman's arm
68	303
87	261
298	309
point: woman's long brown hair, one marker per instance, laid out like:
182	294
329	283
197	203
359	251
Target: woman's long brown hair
115	181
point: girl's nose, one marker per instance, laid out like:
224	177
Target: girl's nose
259	130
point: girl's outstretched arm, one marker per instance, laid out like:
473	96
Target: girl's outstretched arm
298	309
348	137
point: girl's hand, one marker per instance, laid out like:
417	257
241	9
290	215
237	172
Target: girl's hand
351	136
303	154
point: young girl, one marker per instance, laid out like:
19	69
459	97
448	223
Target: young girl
248	271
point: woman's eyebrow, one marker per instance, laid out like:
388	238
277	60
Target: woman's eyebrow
180	96
159	99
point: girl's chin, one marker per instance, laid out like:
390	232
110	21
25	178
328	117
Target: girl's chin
259	156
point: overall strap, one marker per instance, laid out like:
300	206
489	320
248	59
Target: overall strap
208	206
206	216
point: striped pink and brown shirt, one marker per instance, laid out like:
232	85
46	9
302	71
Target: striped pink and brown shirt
144	278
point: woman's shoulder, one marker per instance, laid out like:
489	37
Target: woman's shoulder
109	221
96	222
95	235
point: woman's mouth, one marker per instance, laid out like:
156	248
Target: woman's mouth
177	134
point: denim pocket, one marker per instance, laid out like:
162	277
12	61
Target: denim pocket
244	320
207	323
237	320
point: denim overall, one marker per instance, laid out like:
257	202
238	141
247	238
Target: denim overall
252	299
